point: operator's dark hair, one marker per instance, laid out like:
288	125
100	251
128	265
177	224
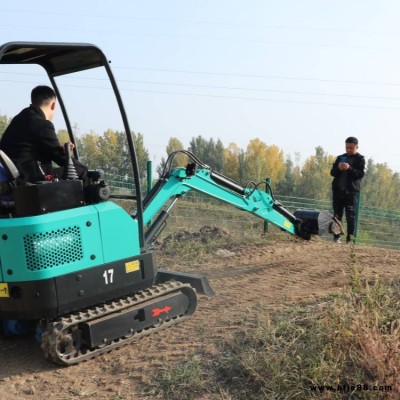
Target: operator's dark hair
352	140
41	95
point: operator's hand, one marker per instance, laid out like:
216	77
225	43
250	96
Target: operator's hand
344	166
71	146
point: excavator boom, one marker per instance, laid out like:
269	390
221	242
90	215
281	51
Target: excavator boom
253	200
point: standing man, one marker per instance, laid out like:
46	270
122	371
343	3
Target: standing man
347	170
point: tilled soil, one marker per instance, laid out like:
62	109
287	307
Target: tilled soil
246	280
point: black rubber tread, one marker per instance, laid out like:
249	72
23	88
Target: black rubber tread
53	334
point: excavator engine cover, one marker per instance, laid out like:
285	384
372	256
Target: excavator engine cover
314	222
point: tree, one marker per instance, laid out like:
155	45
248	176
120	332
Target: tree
4	122
231	161
89	151
315	180
263	161
290	182
218	155
142	153
380	186
63	136
242	167
180	160
110	152
208	152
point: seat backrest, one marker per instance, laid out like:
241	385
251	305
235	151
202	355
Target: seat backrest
9	166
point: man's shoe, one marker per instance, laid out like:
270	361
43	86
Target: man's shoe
350	239
336	238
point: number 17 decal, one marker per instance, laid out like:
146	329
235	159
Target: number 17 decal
108	276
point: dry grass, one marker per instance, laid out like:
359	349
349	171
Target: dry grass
349	341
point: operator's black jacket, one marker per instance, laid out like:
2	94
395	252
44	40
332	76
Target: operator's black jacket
30	138
353	175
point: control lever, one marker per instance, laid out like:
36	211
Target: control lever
69	172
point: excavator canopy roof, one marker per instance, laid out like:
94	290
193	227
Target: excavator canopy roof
55	58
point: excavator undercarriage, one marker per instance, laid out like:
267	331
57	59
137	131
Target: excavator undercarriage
88	333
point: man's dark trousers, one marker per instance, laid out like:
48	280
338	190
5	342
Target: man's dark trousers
348	202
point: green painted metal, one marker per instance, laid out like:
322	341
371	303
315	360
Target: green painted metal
149	175
357	216
49	245
58	243
149	179
1	272
119	232
267	190
254	200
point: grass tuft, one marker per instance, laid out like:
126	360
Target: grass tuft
180	382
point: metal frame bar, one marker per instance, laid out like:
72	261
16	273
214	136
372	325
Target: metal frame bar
101	61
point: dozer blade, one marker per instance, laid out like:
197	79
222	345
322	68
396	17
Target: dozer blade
199	282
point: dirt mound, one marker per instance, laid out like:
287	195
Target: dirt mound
205	234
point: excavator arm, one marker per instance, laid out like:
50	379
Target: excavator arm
200	178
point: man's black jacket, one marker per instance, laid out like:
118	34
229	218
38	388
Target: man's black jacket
353	175
30	138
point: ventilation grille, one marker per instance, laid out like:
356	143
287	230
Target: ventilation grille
54	248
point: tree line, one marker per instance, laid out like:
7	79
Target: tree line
258	161
309	179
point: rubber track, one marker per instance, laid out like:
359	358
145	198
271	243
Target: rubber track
53	333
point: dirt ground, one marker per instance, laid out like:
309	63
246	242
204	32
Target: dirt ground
273	273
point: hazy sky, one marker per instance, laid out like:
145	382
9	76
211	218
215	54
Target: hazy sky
294	73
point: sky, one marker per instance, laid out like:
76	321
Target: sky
294	73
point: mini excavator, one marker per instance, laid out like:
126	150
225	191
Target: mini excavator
76	269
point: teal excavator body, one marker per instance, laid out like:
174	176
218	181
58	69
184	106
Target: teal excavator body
75	267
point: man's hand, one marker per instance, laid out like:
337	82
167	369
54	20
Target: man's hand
344	166
71	147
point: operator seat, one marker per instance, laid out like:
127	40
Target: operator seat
9	167
8	177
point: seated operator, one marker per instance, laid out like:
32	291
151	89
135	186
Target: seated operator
31	141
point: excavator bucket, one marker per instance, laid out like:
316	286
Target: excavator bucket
318	222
